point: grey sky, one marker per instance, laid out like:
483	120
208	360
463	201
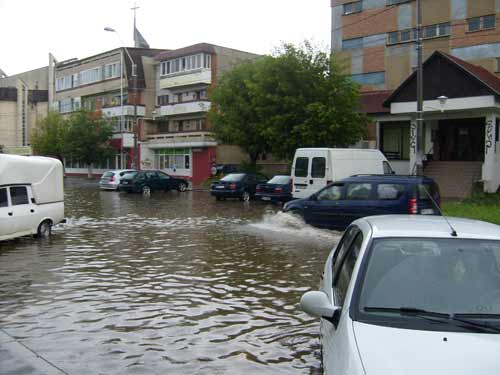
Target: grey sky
30	29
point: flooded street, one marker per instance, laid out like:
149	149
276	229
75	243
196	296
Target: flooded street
174	283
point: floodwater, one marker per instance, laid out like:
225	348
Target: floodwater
174	283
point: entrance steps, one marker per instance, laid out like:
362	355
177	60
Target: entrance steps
455	178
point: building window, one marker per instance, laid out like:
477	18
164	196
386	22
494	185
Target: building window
352	43
64	83
90	75
172	158
489	22
185	64
112	70
369	79
481	23
410	35
354	7
396	2
163	100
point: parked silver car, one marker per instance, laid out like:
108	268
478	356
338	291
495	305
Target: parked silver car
411	295
110	180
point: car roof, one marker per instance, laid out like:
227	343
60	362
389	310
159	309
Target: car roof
429	226
121	170
387	178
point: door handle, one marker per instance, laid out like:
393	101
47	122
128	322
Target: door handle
10	213
32	210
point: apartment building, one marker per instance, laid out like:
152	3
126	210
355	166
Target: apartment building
375	41
104	83
23	103
180	139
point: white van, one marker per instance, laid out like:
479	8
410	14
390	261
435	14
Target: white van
314	168
31	195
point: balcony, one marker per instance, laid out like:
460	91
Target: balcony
188	139
185	108
201	76
128	110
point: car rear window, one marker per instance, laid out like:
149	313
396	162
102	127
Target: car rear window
424	190
318	167
390	191
283	180
301	167
358	191
234	177
108	174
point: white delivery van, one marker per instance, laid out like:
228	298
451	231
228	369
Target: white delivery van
31	195
314	168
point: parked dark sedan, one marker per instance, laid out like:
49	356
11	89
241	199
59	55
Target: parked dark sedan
277	189
151	180
339	204
237	185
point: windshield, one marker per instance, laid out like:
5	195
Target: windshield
234	177
283	180
449	276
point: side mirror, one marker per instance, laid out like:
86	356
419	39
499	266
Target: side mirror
317	304
393	172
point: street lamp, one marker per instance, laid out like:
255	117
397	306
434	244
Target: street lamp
135	161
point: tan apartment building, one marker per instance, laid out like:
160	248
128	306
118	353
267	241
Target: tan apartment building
375	41
104	83
23	103
181	140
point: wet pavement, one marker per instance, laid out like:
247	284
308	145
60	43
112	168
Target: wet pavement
167	284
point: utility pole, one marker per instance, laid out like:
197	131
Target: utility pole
137	162
419	149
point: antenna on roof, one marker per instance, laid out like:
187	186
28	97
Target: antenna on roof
453	231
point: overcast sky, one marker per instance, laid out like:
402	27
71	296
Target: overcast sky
30	29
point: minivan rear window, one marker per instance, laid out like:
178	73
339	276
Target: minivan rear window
424	190
390	191
301	167
318	168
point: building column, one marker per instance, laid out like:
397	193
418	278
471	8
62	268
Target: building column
490	185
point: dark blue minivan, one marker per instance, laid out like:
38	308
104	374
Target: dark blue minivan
339	204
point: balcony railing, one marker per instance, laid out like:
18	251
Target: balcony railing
185	108
188	139
202	76
128	110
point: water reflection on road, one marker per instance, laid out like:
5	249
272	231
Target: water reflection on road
171	283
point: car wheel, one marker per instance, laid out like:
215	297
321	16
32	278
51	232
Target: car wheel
44	229
182	187
296	212
146	190
246	196
218	198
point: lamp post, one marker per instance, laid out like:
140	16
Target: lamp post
135	161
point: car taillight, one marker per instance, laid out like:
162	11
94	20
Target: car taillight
329	182
278	190
112	178
412	206
232	186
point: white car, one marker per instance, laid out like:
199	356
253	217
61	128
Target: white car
110	180
411	295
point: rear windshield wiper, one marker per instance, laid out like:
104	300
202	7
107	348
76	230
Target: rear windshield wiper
441	317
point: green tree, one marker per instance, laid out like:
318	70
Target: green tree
87	138
48	138
295	98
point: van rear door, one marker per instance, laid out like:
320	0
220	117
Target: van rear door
6	223
309	172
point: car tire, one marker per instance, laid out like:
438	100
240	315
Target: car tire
296	212
146	190
182	187
246	196
44	229
218	198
